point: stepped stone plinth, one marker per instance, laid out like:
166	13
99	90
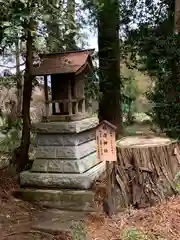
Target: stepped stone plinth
64	159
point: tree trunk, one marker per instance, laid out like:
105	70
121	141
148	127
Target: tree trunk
23	157
109	63
54	36
71	43
19	92
177	16
146	170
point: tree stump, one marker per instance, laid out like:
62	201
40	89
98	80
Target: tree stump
146	170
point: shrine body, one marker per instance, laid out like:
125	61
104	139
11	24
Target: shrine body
66	162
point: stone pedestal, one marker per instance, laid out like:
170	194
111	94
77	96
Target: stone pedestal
65	158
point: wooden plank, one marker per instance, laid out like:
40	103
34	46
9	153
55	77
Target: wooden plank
69	97
64	100
106	151
106	142
46	96
83	106
109	188
109	202
76	108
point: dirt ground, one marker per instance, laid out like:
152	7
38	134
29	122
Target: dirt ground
16	216
161	222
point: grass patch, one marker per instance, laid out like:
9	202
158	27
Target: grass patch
134	234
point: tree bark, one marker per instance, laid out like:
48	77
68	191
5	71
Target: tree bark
22	155
53	39
177	16
19	84
146	170
109	64
71	43
54	34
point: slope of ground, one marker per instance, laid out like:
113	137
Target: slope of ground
16	216
161	222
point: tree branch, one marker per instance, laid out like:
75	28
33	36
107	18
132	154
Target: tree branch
4	66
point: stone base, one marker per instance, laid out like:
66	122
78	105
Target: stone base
62	180
62	118
60	199
65	139
66	127
65	166
65	159
58	222
65	152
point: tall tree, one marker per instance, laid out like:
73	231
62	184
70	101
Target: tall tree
109	62
29	17
157	46
19	91
53	28
72	27
27	92
62	38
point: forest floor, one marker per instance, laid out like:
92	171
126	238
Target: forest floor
161	222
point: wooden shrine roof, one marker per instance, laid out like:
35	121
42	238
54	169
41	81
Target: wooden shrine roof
63	62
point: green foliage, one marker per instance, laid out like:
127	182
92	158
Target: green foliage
134	234
61	35
165	95
8	82
48	16
78	231
11	139
12	136
157	48
142	118
130	92
92	90
129	89
27	22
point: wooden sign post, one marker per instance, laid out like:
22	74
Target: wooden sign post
106	152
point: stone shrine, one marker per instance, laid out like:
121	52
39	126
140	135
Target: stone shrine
65	164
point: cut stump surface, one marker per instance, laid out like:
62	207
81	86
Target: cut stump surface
146	170
138	142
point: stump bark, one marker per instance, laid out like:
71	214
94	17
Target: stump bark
146	170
